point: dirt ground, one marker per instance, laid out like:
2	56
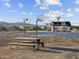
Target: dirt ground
54	50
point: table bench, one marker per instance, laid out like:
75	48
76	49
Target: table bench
32	42
25	41
21	44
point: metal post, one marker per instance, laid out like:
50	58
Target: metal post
24	26
36	28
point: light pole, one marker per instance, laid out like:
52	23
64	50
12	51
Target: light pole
37	27
24	22
51	27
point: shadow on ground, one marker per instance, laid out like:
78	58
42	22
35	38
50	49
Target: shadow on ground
47	50
64	49
58	49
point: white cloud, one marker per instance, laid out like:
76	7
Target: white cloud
69	10
51	15
43	17
77	1
20	5
60	3
38	2
54	14
4	0
69	14
77	9
52	2
43	7
30	13
23	13
44	4
7	4
48	2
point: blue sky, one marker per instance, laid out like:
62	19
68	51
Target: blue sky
48	10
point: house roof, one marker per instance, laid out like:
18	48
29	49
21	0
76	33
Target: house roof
60	23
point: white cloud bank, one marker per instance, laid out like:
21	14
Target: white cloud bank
69	10
77	9
7	4
77	1
20	5
43	7
52	2
46	3
4	0
38	2
54	13
51	15
69	14
24	13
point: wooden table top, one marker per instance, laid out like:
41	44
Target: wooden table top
26	38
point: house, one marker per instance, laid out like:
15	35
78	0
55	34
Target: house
61	26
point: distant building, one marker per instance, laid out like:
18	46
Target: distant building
61	26
75	28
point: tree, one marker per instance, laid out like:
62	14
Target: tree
14	28
3	28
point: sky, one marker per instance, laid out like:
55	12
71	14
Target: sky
46	10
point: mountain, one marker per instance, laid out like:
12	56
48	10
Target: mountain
16	24
4	24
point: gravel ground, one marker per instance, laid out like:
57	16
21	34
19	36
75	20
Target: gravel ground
7	53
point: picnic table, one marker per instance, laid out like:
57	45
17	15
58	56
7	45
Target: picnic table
27	41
